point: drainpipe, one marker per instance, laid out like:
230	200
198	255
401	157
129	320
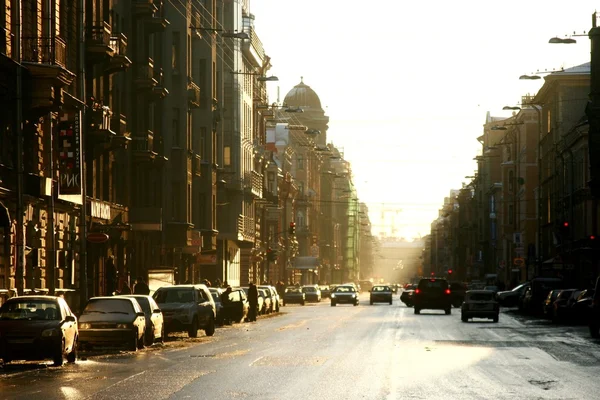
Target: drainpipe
83	273
20	269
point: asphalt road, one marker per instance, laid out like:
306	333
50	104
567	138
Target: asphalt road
344	352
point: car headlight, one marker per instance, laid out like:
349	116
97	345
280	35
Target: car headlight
50	332
353	295
123	326
85	325
333	295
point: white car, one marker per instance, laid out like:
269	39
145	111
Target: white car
480	304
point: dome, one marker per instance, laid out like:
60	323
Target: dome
302	95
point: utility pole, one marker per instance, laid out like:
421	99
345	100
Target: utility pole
83	276
20	270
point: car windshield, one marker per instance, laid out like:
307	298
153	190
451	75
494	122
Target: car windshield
109	306
184	295
144	303
381	289
309	289
293	290
344	289
433	284
30	309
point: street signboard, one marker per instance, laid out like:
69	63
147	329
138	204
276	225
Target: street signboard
97	237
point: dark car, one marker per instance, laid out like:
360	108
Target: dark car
407	294
112	320
594	323
512	298
480	304
536	293
187	308
580	309
549	303
325	291
293	295
344	294
155	326
560	306
38	328
312	292
432	294
381	294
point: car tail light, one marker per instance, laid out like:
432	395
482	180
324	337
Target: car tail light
417	291
447	291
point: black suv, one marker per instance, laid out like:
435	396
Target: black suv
595	312
432	294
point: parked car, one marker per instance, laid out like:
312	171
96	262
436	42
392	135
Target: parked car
457	293
312	292
187	308
407	294
560	306
112	320
271	292
480	304
266	301
536	293
235	309
155	325
549	303
512	298
580	310
38	328
432	294
293	295
381	294
344	294
216	295
594	322
261	301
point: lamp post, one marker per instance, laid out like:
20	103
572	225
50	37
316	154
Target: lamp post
260	78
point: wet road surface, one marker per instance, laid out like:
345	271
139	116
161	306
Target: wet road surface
344	352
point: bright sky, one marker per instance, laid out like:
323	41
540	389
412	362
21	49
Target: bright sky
407	85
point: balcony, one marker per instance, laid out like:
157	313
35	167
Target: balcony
46	59
144	7
193	94
245	228
118	124
253	183
145	218
119	61
98	46
143	147
156	22
144	76
197	166
159	91
178	233
99	123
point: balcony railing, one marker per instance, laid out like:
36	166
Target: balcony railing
118	124
193	94
118	42
45	50
145	74
99	119
99	34
253	182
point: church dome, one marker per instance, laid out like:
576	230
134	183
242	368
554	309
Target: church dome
302	95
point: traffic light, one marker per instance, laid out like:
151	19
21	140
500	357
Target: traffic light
292	230
565	231
449	272
271	255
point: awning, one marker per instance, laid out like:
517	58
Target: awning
305	263
4	216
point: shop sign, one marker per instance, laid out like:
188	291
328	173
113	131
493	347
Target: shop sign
68	131
206	259
97	237
99	210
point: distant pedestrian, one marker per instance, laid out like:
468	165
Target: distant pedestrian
252	301
141	287
226	302
125	289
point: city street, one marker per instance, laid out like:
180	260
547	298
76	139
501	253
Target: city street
343	352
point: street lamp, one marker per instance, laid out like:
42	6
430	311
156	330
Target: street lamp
260	78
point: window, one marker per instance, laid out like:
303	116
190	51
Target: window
511	215
175	49
175	127
227	155
511	181
300	162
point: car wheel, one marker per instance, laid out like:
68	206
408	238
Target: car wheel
303	303
390	302
210	328
448	311
142	340
495	319
161	339
464	319
193	331
417	311
72	356
333	304
355	303
595	331
58	356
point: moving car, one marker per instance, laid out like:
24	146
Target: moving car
312	292
480	304
407	294
187	308
344	294
38	328
293	294
432	294
325	291
458	290
381	294
155	326
112	320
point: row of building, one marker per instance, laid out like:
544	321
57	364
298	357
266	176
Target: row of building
528	210
137	139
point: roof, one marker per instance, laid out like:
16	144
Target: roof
302	95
